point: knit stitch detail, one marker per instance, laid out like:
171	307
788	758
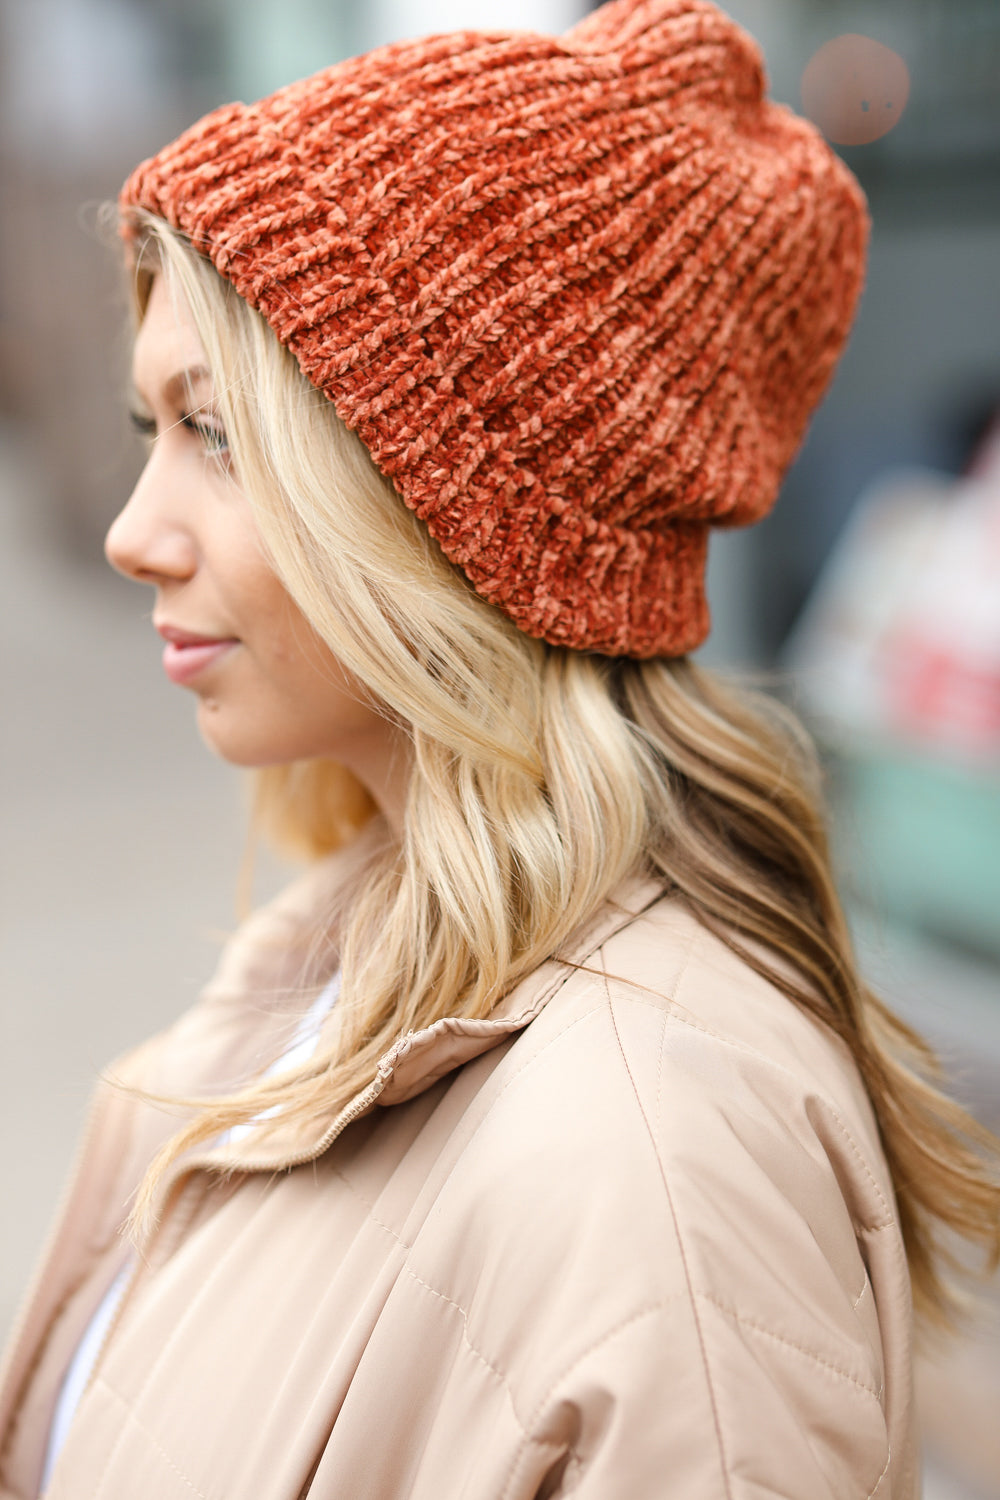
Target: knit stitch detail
579	296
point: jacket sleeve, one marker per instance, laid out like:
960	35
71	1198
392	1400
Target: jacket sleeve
772	1358
692	1401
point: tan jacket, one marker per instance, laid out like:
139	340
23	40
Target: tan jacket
633	1237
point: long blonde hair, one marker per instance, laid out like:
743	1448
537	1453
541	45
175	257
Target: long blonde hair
541	777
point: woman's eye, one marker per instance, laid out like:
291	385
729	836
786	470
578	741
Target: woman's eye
212	436
142	423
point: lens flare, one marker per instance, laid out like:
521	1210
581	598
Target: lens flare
855	89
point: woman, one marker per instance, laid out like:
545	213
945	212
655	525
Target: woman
543	1140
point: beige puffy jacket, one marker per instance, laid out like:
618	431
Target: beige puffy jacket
633	1238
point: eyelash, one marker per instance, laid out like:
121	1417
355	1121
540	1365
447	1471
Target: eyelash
213	438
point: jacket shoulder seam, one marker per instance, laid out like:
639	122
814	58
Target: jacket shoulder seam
671	1006
681	1247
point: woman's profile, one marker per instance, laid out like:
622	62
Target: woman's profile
543	1138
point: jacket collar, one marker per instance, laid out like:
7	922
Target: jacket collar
418	1059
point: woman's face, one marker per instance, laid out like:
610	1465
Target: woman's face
268	689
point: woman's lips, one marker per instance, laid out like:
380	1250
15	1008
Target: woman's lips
186	656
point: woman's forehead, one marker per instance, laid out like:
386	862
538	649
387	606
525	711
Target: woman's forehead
168	351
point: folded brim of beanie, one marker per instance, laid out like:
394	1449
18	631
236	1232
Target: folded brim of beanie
578	295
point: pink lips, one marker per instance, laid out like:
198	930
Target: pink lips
186	655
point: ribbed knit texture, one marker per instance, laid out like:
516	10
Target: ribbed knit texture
578	295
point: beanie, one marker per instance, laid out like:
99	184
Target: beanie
577	295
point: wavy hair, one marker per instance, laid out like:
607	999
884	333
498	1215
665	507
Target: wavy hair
540	778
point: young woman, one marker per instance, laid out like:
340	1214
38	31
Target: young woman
543	1140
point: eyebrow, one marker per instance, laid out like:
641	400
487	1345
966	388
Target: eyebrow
179	385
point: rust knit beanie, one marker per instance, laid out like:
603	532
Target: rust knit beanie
578	295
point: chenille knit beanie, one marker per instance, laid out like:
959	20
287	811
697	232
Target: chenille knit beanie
578	295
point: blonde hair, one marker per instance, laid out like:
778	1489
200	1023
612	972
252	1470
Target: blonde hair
540	778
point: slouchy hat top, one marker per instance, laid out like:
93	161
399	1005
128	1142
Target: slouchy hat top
578	295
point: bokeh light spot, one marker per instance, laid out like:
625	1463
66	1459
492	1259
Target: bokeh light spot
855	89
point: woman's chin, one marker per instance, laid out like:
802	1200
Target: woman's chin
248	744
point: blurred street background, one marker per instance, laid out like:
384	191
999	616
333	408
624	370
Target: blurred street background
870	598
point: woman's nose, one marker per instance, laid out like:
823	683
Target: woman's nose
147	540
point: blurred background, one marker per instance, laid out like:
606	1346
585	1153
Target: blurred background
870	598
